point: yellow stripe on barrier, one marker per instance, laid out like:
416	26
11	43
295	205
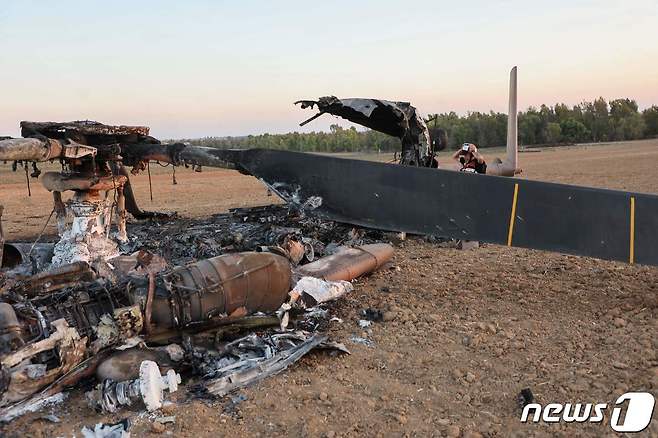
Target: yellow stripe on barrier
512	216
631	252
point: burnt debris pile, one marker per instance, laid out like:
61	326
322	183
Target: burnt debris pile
298	236
180	293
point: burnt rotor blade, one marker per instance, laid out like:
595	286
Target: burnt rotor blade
605	224
173	153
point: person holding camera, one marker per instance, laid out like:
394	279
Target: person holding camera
470	159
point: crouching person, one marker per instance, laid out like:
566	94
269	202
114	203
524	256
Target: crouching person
470	159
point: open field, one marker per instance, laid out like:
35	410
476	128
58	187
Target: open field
470	329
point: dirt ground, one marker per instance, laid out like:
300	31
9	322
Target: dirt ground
466	330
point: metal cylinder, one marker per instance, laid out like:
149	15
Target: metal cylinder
17	253
12	256
55	181
241	283
29	149
349	263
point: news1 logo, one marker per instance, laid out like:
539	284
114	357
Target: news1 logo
638	412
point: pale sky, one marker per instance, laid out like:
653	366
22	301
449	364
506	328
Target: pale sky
215	68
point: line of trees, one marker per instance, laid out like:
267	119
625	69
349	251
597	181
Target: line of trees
597	121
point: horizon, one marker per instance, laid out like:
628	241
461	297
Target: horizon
210	69
346	124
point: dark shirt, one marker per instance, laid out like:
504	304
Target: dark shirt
473	163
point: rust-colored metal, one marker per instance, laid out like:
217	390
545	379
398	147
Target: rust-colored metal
294	249
70	349
54	181
223	324
349	263
220	286
149	303
69	378
57	278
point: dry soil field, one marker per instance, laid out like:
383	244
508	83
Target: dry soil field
469	329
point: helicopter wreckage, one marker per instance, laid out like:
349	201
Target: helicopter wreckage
85	305
70	308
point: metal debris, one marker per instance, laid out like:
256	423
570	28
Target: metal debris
362	341
87	304
19	377
36	404
55	279
399	119
93	156
231	407
252	229
349	263
364	323
371	314
124	364
52	418
311	291
253	358
110	310
109	396
116	430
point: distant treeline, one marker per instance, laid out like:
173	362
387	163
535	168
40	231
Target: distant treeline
596	121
